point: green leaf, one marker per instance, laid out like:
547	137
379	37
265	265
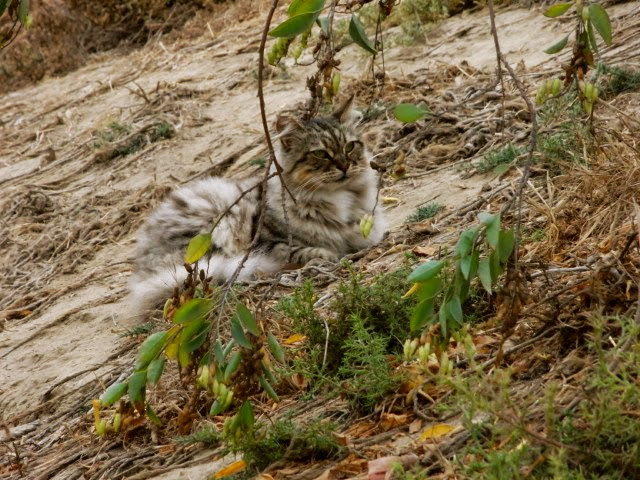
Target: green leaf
557	10
245	414
238	333
268	374
496	269
275	348
465	266
556	47
266	386
294	26
228	347
154	372
426	271
466	241
194	334
422	314
592	37
507	242
323	23
246	319
358	35
442	317
151	415
304	6
192	310
198	246
409	113
601	22
475	259
113	393
484	273
455	309
430	288
218	353
233	365
216	408
137	383
23	13
493	231
150	349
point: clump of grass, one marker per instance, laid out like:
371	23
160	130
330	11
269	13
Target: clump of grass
423	213
379	304
268	443
116	131
413	15
368	322
601	431
365	370
162	131
144	329
619	79
208	435
113	131
565	144
498	158
257	161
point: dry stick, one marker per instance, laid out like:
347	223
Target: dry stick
271	161
501	60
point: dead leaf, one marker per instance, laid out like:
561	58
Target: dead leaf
264	476
436	431
425	250
424	227
295	338
229	470
299	381
391	420
378	468
415	426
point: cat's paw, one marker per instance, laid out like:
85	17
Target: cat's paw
308	254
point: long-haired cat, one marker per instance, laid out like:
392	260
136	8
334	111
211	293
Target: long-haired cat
325	165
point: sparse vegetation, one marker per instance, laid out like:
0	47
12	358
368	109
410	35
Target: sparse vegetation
619	79
425	212
498	161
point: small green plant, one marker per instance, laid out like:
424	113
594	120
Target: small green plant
619	79
365	370
498	161
143	329
423	213
257	162
265	443
565	144
208	434
442	286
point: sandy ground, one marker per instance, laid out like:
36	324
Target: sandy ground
70	212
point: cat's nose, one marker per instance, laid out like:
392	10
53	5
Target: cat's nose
342	166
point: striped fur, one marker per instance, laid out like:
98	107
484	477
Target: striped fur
325	166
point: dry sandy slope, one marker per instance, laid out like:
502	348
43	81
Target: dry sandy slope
70	215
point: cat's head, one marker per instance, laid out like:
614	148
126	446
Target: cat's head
324	153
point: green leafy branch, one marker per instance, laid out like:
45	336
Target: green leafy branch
442	286
590	17
18	11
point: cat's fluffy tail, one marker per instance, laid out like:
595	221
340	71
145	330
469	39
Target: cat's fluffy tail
147	289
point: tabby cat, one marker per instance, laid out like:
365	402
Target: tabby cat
325	166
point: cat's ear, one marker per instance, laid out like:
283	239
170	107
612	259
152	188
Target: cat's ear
286	127
344	113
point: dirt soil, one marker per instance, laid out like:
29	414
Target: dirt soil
86	156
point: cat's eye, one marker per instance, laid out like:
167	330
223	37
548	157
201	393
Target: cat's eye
321	153
348	148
